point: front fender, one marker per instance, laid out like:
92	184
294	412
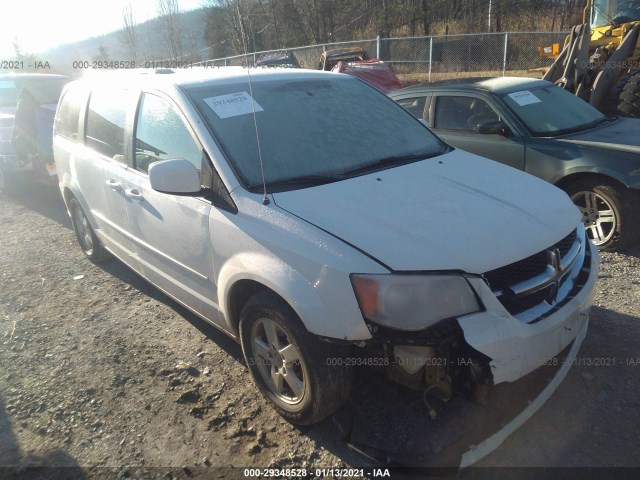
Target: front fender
631	180
326	305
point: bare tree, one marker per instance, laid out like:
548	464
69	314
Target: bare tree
102	55
169	14
27	60
129	32
270	24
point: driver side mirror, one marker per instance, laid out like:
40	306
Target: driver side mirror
176	176
492	127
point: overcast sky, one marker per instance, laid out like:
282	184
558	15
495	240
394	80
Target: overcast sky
39	25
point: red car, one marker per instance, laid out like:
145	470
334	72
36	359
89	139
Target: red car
374	72
356	62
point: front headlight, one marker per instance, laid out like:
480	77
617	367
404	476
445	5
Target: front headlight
413	302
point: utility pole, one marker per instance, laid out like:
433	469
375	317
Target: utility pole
490	14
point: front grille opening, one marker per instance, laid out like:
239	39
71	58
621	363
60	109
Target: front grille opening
517	305
502	279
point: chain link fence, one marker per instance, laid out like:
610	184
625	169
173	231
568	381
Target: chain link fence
426	59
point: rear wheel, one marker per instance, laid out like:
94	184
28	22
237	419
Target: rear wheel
87	239
302	377
609	212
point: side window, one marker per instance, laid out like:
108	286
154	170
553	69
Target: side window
68	119
106	121
462	113
415	105
161	134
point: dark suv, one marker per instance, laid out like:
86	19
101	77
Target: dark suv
27	108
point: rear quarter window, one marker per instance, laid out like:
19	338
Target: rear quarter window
106	119
68	119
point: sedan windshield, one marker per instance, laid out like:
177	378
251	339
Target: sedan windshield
551	111
310	131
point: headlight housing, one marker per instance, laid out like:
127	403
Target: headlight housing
413	302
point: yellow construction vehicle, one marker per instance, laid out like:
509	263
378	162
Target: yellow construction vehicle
600	61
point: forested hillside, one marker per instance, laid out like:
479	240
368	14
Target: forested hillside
215	30
270	24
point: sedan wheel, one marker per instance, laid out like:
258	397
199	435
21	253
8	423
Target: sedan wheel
598	216
610	212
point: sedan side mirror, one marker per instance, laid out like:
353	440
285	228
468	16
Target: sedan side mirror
493	127
176	176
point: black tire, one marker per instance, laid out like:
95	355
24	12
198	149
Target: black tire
596	197
325	379
87	239
629	101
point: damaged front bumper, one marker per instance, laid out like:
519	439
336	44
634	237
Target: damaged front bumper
516	348
527	319
483	357
495	347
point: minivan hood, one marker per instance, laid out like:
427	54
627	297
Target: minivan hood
610	135
457	211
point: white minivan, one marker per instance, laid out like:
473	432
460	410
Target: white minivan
314	220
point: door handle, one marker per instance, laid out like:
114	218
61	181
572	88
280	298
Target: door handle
114	185
133	194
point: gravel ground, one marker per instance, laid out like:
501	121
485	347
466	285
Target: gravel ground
90	380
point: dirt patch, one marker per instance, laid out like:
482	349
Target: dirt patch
103	374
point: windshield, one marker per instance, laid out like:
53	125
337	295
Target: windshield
322	128
604	12
551	110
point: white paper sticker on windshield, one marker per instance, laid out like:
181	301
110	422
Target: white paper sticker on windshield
7	84
524	98
232	105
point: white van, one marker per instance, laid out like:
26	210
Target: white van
314	220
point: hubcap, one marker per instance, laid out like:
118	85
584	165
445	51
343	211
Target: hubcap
598	216
278	360
83	229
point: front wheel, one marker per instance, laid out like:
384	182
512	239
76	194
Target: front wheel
87	239
609	213
303	378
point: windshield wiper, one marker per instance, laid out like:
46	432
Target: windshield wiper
301	181
580	128
388	162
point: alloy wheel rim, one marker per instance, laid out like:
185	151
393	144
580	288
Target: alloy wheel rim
598	216
278	360
83	230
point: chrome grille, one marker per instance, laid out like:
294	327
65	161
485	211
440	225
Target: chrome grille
530	288
503	277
